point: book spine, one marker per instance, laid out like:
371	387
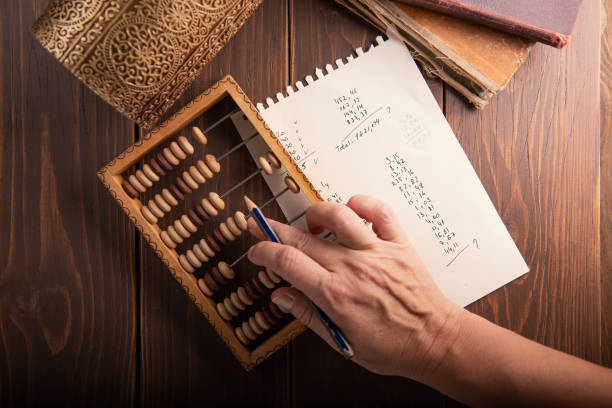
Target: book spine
516	27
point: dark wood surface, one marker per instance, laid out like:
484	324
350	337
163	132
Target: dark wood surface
89	315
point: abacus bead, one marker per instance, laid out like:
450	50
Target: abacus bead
250	291
144	180
195	219
219	237
174	235
204	169
244	296
185	145
258	287
176	193
290	182
231	225
213	244
240	335
275	310
230	307
193	259
188	224
200	210
148	171
155	209
217	276
170	157
246	329
222	312
167	240
209	208
136	184
156	167
226	271
261	321
226	232
180	228
185	264
148	215
263	278
211	282
236	301
199	253
196	175
255	326
273	160
189	181
163	162
212	163
129	189
206	248
167	195
177	151
241	221
274	277
182	186
204	288
268	316
265	166
216	200
163	204
199	136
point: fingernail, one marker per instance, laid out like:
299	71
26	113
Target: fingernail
284	301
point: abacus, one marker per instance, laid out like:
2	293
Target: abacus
168	185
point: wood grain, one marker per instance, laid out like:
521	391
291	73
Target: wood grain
184	363
536	150
67	287
606	183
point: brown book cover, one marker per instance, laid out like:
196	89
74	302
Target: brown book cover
548	21
477	61
139	55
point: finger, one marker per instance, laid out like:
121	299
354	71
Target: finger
318	249
348	228
384	221
298	305
291	264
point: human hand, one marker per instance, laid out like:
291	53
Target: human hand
371	283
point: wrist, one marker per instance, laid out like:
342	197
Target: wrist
438	338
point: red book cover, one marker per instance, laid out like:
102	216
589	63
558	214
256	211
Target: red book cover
547	21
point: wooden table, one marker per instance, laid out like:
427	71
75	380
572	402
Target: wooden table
89	315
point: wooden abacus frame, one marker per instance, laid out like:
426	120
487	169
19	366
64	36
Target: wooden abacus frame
111	177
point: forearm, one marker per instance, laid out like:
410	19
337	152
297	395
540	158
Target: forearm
488	365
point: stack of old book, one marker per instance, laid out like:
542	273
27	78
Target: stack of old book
474	46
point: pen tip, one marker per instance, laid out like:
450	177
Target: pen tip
250	204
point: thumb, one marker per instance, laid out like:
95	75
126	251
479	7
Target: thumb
292	300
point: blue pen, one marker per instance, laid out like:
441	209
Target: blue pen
331	327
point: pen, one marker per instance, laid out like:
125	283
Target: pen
332	329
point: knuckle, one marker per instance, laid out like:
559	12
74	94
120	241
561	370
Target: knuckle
303	241
305	315
384	212
340	217
287	258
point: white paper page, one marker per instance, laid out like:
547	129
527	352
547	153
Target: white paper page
373	127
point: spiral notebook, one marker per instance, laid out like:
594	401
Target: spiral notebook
370	125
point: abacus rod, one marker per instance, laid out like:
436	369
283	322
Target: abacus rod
240	258
223	118
241	183
238	146
274	198
297	217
